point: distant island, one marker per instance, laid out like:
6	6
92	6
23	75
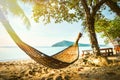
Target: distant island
66	43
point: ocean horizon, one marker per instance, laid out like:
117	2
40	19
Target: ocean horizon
8	53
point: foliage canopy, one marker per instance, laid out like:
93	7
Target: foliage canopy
109	28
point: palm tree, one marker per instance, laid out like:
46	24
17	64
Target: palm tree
13	7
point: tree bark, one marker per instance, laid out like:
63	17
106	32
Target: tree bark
90	24
93	39
114	7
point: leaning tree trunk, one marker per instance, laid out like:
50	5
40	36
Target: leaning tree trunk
94	43
7	26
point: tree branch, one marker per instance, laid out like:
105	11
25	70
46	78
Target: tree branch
87	9
97	6
114	7
97	1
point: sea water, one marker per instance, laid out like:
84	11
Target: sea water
15	53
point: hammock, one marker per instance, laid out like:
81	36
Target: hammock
60	60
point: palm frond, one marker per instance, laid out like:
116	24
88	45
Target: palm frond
13	7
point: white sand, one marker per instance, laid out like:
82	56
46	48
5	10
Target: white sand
30	70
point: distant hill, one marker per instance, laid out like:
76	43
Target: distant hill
62	43
66	43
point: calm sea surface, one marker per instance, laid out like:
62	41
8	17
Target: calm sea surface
15	53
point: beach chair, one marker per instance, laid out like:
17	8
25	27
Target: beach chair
60	60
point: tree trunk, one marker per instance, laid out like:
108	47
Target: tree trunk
92	34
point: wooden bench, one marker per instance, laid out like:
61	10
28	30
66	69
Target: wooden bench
103	51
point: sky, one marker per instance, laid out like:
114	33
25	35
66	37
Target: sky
40	34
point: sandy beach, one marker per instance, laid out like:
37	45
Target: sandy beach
30	70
